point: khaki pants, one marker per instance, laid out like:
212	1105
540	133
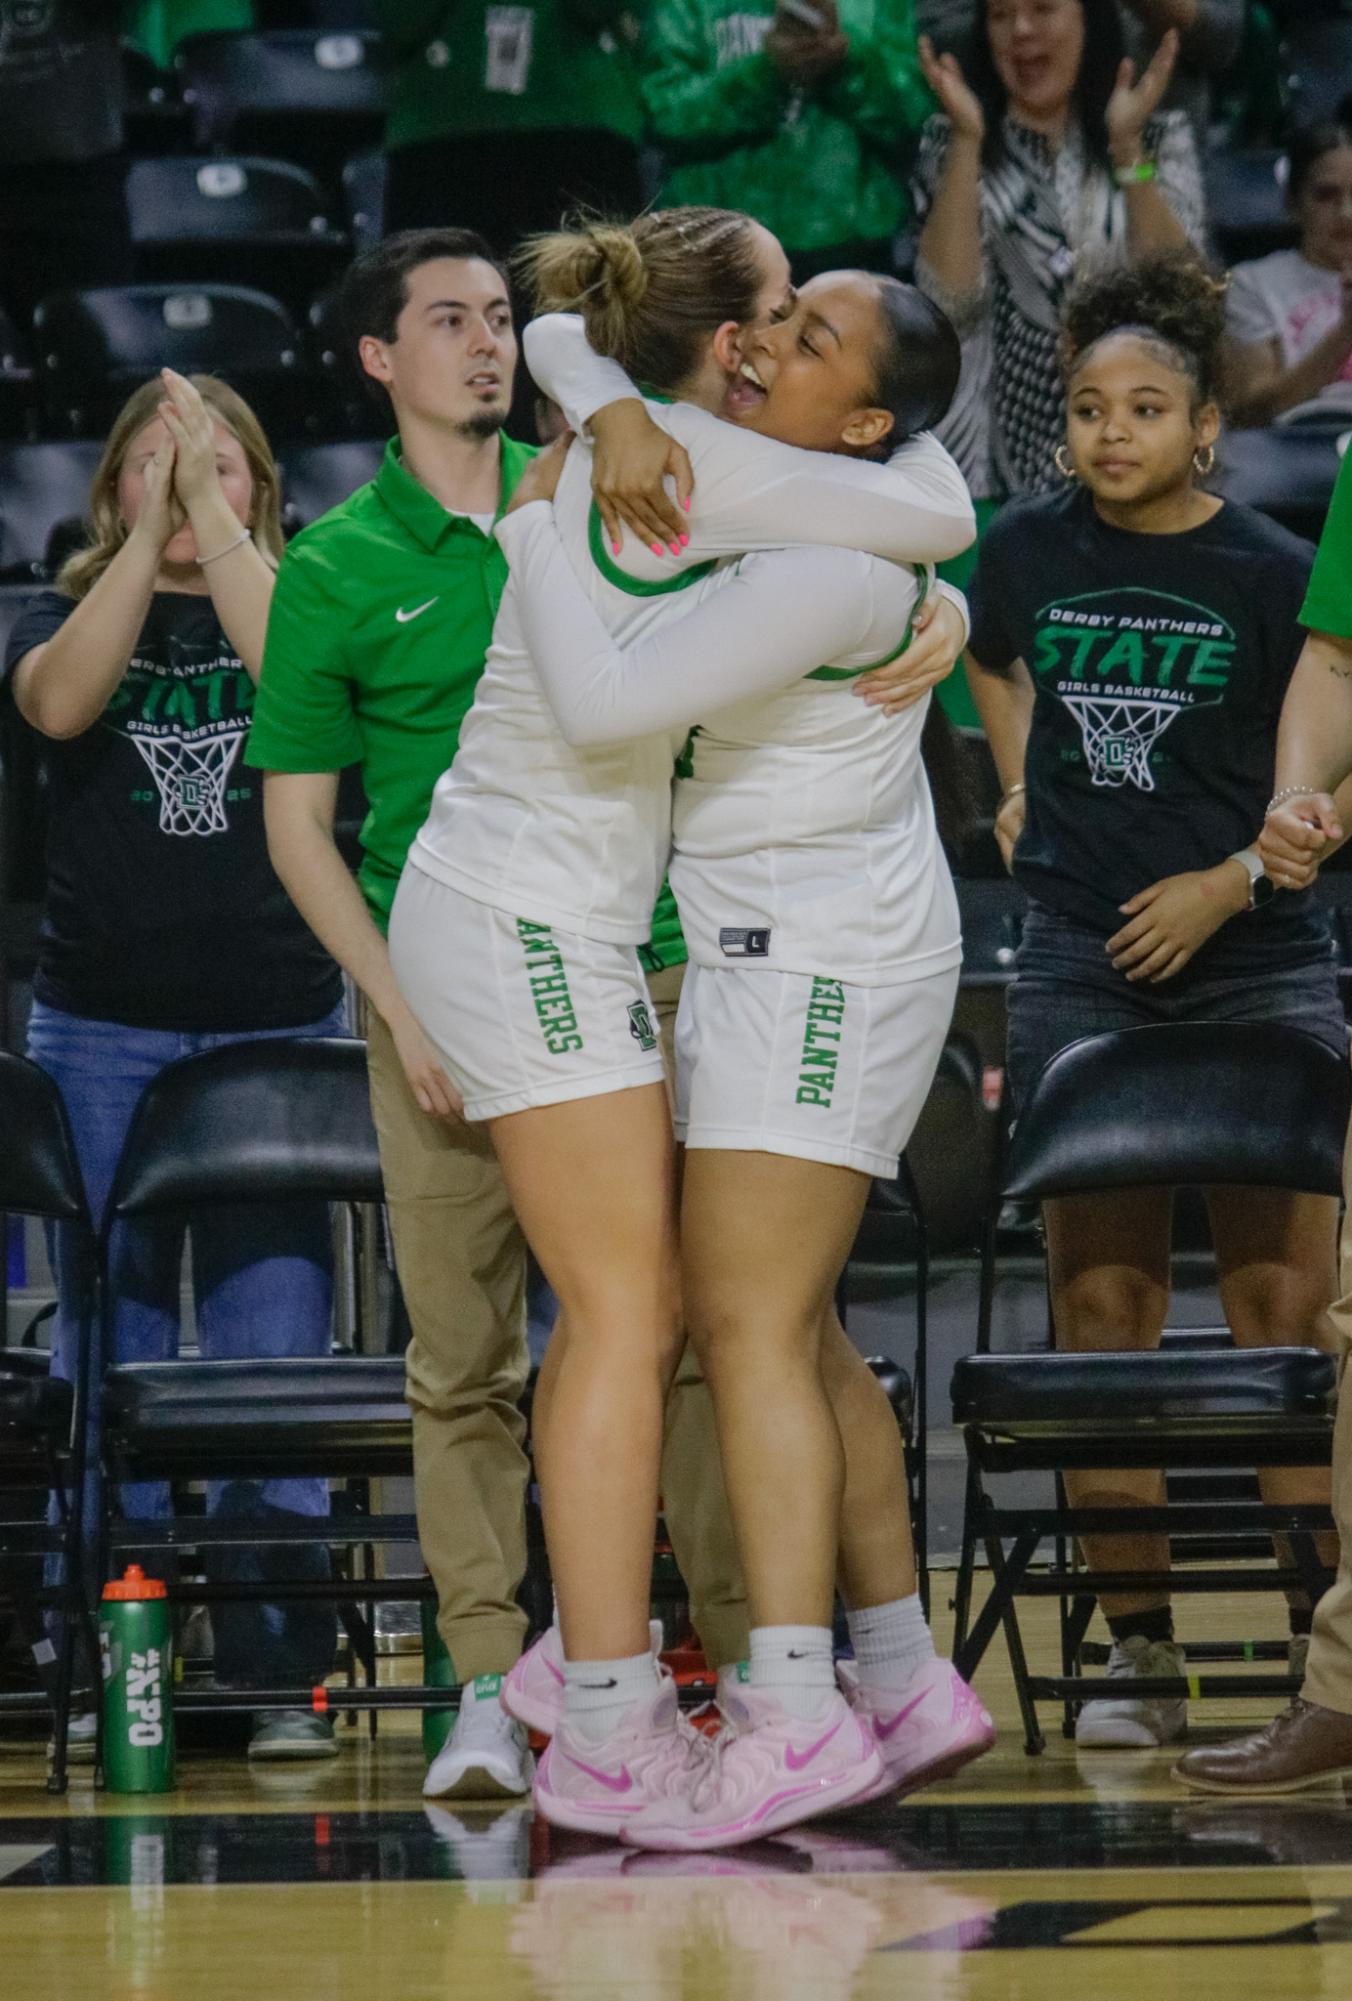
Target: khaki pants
695	1502
461	1261
1328	1677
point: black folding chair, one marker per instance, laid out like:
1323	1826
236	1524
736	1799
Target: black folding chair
270	1122
1230	1104
42	1418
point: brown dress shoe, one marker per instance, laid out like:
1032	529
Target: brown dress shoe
1304	1746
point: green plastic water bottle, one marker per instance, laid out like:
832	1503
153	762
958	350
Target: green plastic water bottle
438	1672
137	1647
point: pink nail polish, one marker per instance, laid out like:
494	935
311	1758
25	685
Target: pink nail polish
676	547
615	548
686	505
658	550
685	541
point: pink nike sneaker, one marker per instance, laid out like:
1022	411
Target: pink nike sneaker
532	1691
644	1765
769	1769
926	1730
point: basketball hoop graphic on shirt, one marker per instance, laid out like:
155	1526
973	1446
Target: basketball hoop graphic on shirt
190	779
1118	737
1127	663
188	715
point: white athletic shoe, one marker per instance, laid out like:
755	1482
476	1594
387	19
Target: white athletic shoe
486	1756
1133	1722
532	1691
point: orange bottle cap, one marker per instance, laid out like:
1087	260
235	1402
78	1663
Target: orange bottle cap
134	1584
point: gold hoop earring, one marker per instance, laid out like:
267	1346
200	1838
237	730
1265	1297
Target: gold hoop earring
1203	459
1058	460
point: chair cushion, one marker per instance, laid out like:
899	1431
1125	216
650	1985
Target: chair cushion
32	1401
336	1412
1116	1393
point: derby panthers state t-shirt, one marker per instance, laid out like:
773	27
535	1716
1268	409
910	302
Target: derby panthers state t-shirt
162	908
1160	663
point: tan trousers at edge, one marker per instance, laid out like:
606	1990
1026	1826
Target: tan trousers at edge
1329	1673
461	1263
1328	1677
461	1260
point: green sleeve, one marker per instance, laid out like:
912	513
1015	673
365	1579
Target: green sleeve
697	109
880	90
408	25
303	719
1328	602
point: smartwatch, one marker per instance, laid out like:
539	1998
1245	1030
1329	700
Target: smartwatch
1262	888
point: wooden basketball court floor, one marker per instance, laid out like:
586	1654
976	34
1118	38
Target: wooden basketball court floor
1089	1876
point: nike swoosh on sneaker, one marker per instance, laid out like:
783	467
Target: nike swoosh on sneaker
622	1784
795	1760
402	617
884	1730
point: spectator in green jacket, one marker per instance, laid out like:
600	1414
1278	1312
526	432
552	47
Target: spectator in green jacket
801	112
504	117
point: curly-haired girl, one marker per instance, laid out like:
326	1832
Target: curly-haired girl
1132	638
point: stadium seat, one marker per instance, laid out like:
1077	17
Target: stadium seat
359	410
155	116
233	220
318	477
95	347
1319	66
1197	1103
314	14
1286	473
364	199
17	392
1246	203
42	1428
270	1123
297	94
40	485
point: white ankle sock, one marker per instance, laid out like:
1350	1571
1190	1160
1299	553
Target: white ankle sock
890	1641
794	1663
597	1693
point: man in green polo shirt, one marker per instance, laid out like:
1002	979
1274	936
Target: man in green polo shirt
380	621
381	618
1311	815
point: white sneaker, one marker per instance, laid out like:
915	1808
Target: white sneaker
1133	1722
486	1756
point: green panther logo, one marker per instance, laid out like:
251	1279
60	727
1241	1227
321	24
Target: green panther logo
641	1025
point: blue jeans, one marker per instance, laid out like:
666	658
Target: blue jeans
263	1285
1066	987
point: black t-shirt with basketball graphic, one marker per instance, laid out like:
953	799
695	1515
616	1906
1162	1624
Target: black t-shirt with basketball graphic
1160	663
162	908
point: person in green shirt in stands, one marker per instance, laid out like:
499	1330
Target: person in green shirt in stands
381	619
801	112
509	115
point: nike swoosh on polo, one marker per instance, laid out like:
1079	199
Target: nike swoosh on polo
795	1760
622	1784
402	617
884	1730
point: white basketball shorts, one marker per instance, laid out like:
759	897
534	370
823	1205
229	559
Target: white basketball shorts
521	1015
795	1063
